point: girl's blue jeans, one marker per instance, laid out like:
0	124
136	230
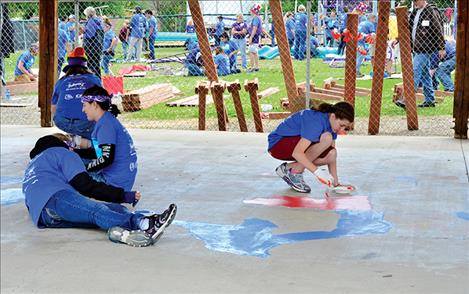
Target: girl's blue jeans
69	209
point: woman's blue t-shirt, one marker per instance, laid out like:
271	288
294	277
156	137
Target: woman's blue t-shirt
309	124
122	172
67	95
28	60
46	174
223	64
108	36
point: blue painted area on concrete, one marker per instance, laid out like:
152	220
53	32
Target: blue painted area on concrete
10	180
11	196
463	215
254	236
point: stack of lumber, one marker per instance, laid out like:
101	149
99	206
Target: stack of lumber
146	97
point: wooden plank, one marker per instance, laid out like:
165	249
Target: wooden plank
22	88
277	115
351	59
285	58
407	69
252	87
234	88
378	67
146	97
461	97
47	57
268	92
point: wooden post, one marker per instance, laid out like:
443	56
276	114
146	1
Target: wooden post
378	68
47	57
234	88
351	59
252	87
296	103
461	93
407	68
202	38
202	90
217	94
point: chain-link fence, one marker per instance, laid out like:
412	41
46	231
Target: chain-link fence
243	65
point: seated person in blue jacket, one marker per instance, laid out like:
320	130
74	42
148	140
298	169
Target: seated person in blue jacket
231	51
24	64
113	152
221	62
60	194
193	61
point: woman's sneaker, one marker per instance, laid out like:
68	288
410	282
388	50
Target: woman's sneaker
295	181
136	238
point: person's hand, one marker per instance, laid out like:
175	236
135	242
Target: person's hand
138	195
324	177
441	54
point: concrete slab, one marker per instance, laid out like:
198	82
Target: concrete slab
415	238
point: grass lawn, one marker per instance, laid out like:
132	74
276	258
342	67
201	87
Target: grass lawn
270	75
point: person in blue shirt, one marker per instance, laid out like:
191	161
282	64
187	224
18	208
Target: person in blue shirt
114	159
365	28
255	32
190	28
342	28
272	34
314	46
152	32
66	99
63	24
93	36
25	62
61	194
290	28
110	43
330	24
138	27
231	51
307	139
63	46
446	66
70	28
301	21
219	29
221	62
193	61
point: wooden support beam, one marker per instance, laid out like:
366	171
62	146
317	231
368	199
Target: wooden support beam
384	7
202	38
234	88
47	57
461	93
351	59
252	87
217	93
407	69
296	103
202	91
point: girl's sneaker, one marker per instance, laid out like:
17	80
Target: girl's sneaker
159	222
136	238
295	181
